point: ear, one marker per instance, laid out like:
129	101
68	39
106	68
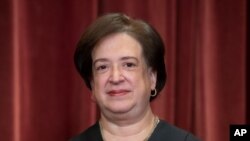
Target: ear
153	78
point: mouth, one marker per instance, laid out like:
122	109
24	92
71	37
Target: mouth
118	92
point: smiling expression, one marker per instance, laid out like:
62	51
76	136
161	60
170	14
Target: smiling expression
121	81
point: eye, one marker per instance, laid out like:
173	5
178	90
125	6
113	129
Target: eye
101	68
129	65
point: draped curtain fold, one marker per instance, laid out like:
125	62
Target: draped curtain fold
44	99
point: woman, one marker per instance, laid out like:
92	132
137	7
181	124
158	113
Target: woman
122	62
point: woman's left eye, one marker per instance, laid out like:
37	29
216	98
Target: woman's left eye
129	65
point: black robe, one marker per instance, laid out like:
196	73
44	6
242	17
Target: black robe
162	132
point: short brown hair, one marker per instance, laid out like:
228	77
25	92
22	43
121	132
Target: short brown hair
144	33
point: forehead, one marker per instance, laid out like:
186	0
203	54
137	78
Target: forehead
117	45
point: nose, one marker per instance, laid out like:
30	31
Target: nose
116	75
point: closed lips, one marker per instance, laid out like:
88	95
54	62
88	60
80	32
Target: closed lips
118	92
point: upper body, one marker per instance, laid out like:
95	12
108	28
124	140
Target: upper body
122	62
163	131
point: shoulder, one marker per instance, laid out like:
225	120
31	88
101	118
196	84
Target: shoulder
167	131
91	134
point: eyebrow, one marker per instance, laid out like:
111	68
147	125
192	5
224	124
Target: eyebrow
123	58
129	57
100	60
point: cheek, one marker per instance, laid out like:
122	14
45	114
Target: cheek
146	82
138	79
99	83
97	89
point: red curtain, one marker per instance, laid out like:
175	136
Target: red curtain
42	98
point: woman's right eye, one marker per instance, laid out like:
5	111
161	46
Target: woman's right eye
101	68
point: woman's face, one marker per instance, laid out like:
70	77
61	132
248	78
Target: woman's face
121	81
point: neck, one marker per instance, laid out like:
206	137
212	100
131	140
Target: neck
137	128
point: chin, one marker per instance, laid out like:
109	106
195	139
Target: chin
120	107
